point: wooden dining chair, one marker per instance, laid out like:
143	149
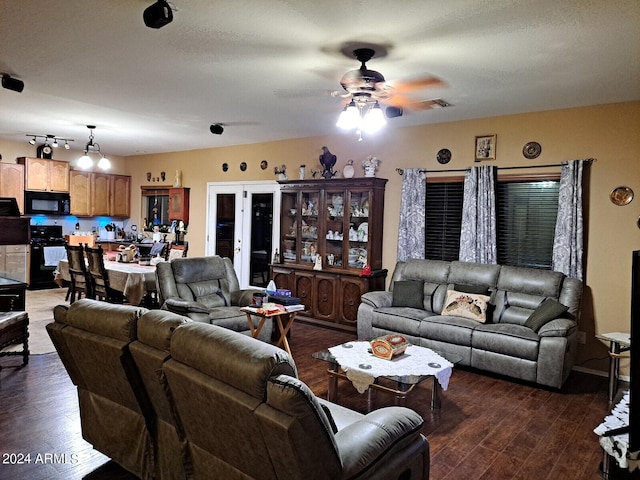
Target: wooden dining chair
100	288
80	282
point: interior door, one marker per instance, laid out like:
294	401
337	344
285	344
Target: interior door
243	224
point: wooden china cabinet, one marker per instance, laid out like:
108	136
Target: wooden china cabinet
331	229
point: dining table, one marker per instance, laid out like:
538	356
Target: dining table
135	281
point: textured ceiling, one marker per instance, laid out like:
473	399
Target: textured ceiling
265	68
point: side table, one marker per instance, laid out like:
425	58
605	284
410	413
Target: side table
288	317
619	342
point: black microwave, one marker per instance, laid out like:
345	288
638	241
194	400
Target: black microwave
47	203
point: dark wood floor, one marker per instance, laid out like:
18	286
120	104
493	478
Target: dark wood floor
488	427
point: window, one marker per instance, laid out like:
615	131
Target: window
155	205
526	210
443	219
526	222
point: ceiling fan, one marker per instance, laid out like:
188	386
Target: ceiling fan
364	86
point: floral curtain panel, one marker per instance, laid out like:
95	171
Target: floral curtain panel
478	239
568	244
412	215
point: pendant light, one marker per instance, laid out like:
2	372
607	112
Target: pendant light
85	162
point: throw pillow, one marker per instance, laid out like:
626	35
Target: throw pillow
408	293
467	305
546	311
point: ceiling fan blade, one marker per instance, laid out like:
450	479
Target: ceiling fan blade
417	84
397	109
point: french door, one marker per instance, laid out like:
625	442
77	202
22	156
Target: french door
243	223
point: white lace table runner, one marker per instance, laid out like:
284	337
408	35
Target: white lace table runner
618	445
362	367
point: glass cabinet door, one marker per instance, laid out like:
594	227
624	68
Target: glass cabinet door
334	229
358	234
289	224
309	209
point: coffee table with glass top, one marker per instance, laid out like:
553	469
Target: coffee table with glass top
399	385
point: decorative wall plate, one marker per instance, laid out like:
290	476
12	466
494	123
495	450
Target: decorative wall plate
243	166
264	164
531	150
443	156
621	196
225	167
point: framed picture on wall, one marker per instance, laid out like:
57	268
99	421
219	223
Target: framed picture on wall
486	147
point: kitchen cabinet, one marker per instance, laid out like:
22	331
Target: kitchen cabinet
12	182
46	175
100	194
120	201
80	193
330	230
179	204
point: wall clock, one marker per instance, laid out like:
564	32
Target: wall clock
443	156
44	151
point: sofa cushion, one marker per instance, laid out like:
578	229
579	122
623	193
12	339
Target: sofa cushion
404	320
477	289
507	339
452	330
546	311
466	305
408	293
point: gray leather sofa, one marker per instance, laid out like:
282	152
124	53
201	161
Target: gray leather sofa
167	398
510	341
206	289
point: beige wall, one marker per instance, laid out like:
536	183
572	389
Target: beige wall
608	133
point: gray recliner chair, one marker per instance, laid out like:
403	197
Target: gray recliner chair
206	289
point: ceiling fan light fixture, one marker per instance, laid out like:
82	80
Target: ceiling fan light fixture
349	117
374	119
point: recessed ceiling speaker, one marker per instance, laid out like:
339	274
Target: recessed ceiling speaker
216	129
158	14
11	83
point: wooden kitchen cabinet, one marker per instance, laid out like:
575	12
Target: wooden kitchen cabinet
12	182
100	194
339	221
120	201
46	175
80	193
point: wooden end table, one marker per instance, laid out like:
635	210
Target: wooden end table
287	317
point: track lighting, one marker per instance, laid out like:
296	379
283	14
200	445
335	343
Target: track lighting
216	129
85	162
158	15
49	139
11	83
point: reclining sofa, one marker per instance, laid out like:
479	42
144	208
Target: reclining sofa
514	321
206	289
169	398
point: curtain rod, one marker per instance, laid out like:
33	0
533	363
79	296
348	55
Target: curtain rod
401	171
